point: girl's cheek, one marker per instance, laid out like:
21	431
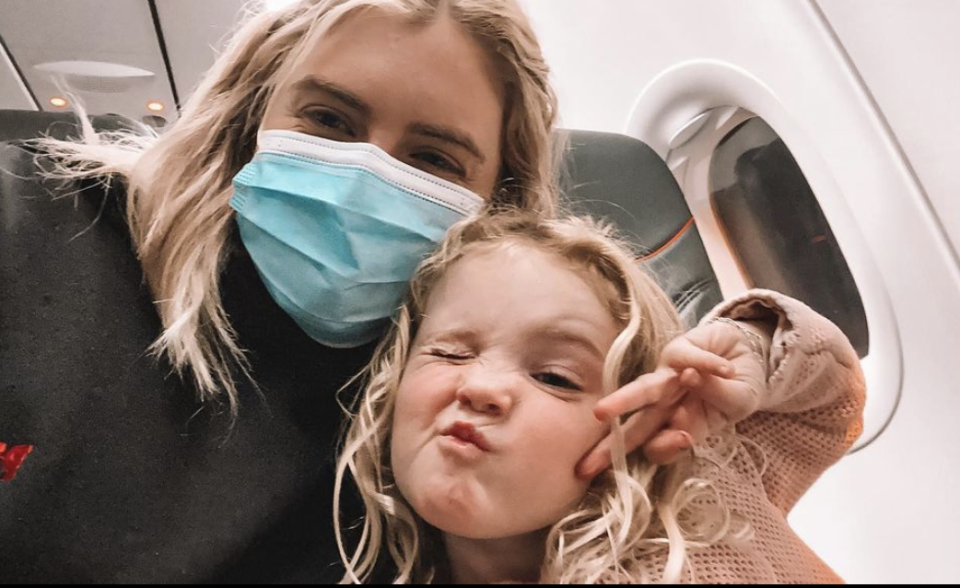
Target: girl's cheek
430	385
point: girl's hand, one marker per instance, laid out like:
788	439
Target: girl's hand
710	377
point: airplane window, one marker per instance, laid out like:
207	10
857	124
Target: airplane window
778	232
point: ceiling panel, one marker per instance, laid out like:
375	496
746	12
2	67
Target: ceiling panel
117	31
13	94
195	32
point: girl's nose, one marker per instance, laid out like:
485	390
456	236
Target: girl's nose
488	392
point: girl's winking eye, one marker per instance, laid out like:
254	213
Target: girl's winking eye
449	353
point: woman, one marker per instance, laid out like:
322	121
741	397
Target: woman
147	469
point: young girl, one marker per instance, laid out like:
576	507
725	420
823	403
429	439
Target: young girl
486	395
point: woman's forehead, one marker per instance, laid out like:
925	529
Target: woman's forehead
375	48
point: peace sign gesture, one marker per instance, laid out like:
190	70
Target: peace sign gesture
707	378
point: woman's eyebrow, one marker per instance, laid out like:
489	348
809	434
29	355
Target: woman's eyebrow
448	135
315	84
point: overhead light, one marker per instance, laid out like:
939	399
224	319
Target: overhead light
58	102
155	106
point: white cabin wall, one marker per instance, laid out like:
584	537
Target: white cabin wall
908	53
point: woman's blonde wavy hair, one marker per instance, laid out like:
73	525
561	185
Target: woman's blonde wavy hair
179	184
630	513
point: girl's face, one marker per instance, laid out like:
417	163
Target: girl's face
495	408
426	94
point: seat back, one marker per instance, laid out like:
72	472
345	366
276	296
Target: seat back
622	180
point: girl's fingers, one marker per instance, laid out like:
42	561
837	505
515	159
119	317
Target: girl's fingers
596	461
734	399
682	354
691	417
641	427
660	399
636	431
658	387
688	426
667	446
690	378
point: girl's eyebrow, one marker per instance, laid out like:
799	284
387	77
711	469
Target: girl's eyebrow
560	334
460	335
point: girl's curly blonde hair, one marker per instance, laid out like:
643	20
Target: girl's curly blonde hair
631	512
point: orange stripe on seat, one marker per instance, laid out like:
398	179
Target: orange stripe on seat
672	240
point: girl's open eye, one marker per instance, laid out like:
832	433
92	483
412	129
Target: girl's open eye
555	380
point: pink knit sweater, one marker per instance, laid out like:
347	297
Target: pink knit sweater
812	414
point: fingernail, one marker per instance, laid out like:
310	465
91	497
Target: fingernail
687	442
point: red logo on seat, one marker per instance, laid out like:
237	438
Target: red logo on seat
11	458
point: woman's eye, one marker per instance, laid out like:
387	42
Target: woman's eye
439	164
332	121
557	381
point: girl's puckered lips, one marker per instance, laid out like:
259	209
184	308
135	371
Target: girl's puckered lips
468	433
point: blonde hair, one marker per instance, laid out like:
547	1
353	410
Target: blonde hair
179	184
635	510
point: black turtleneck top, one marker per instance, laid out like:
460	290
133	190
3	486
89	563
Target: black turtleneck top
132	479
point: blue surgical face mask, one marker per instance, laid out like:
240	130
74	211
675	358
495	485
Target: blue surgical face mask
336	230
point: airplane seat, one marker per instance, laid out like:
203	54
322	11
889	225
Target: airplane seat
622	180
16	125
19	167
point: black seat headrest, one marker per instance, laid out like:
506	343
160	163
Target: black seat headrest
30	124
622	180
